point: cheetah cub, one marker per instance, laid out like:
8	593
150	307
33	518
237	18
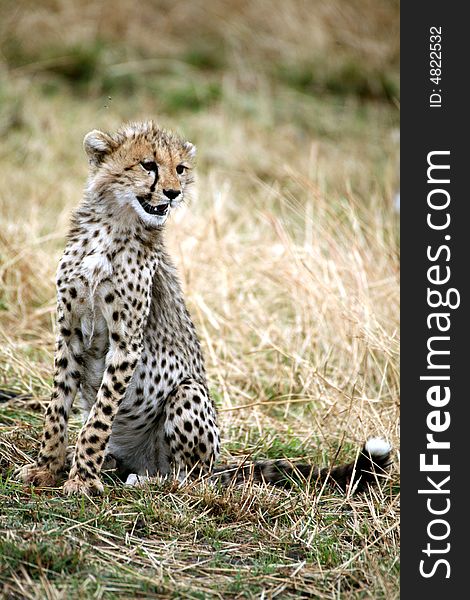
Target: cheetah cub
126	342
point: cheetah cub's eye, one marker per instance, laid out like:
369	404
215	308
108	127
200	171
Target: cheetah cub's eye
180	169
149	165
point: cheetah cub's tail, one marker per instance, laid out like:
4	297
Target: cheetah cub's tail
371	464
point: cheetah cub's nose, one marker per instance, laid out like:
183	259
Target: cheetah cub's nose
171	194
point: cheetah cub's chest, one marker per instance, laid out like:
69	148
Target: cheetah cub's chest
81	289
99	292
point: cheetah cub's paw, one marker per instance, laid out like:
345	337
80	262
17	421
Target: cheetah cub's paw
38	476
134	480
77	487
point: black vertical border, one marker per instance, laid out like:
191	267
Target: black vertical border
424	129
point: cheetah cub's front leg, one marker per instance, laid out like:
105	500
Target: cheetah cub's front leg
68	372
93	438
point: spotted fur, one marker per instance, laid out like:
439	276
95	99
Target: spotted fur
125	340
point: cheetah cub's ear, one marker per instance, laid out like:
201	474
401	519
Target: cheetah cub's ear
97	145
190	149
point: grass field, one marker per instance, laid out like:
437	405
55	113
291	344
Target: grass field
289	259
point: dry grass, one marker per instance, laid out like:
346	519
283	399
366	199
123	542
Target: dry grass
289	259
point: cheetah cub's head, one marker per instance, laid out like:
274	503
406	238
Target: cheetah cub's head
141	170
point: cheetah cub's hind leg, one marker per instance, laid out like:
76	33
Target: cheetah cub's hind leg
190	430
188	438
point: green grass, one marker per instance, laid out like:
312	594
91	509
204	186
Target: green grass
184	543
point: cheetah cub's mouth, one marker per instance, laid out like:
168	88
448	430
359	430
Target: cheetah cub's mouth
160	209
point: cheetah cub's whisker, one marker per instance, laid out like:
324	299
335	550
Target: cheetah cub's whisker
126	342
